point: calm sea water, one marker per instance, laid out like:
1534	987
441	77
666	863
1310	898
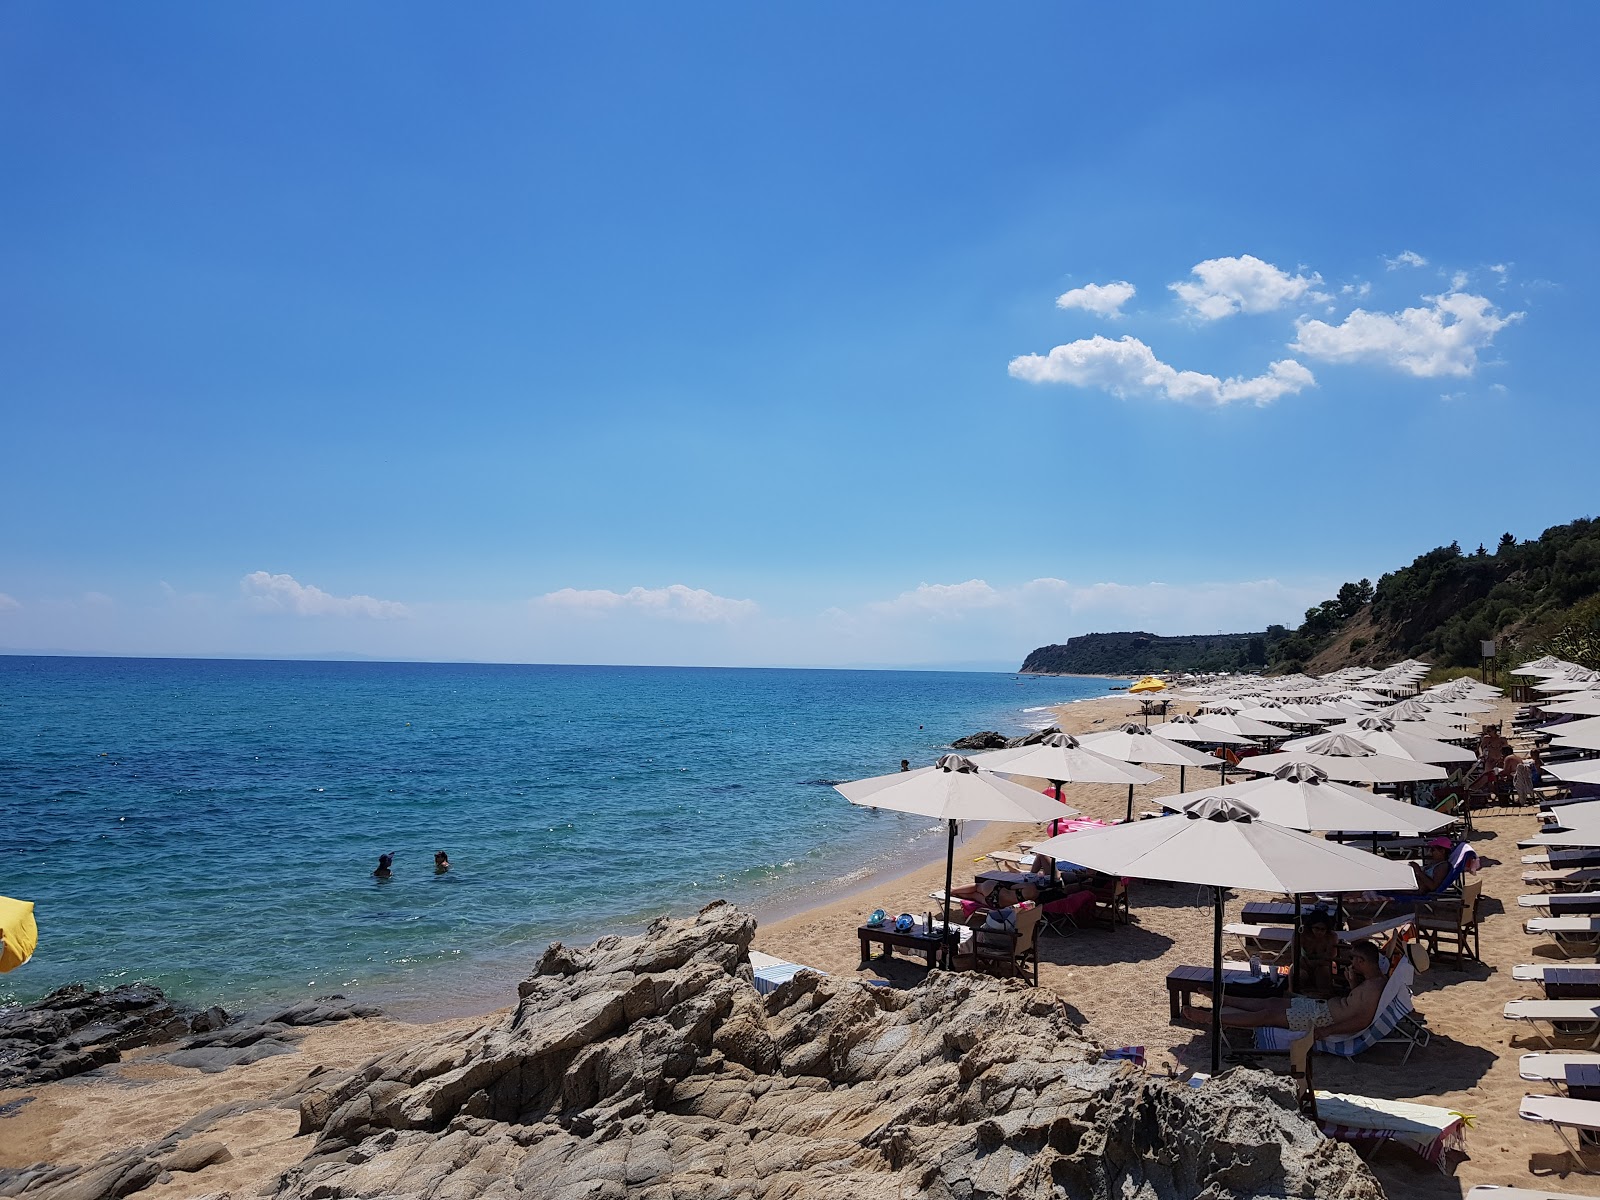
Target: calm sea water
211	826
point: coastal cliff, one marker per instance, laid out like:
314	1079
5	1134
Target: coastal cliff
649	1066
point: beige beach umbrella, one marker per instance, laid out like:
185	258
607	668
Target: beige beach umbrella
1221	844
1583	704
1584	771
1577	741
1190	729
1242	725
1583	728
1301	796
1548	664
1347	760
952	790
1385	737
1062	758
1136	744
1573	681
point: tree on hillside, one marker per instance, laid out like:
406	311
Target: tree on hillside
1507	542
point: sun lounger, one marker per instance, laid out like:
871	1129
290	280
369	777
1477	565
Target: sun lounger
1573	878
1562	1113
1572	935
1278	936
1493	1191
1565	1018
1545	1067
1563	903
770	972
1395	1024
1553	857
1535	972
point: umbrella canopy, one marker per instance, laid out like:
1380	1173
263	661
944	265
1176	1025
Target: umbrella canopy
1301	796
1585	771
20	933
1548	664
1585	728
1278	714
1346	759
1462	706
1577	741
1221	843
1581	704
1062	758
1149	684
953	789
1190	729
1244	726
1136	744
1573	681
1422	729
1384	737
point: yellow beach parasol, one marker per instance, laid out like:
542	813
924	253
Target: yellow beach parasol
18	933
1149	684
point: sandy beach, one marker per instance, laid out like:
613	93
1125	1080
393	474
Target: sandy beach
1112	979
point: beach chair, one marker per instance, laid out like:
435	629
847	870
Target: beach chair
1562	1113
1397	1023
1111	903
1273	938
1448	924
1570	879
1550	858
1568	904
1574	936
1493	1191
1010	951
1544	1067
1565	1018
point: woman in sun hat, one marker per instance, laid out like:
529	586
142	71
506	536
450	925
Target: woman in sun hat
1432	872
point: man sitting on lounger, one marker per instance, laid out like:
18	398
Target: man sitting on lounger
1330	1018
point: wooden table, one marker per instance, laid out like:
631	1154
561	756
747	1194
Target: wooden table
1571	983
1268	912
1184	982
886	935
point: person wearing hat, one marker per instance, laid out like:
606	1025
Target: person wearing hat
1435	869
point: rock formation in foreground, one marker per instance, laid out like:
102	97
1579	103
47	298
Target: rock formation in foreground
649	1067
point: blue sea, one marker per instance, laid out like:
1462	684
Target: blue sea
211	826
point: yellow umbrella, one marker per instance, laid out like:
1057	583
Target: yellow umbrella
1149	684
18	933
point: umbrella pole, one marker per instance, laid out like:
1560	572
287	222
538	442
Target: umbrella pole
949	872
1294	967
1217	983
1130	802
1180	779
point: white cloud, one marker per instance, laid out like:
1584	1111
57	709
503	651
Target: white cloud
1501	269
1406	258
676	600
1224	286
942	599
283	593
1359	291
1102	299
1442	338
1128	367
9	603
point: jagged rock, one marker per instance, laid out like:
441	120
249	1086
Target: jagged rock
251	1039
648	1067
76	1029
195	1156
989	739
1032	739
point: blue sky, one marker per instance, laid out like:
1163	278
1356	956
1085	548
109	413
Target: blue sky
778	334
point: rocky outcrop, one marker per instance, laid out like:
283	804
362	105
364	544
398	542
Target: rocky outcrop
76	1029
991	739
649	1067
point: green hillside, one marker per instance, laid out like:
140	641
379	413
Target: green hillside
1147	653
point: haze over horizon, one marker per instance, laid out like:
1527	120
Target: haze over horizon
810	337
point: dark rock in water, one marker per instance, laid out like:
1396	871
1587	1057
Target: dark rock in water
649	1066
1032	739
989	739
251	1039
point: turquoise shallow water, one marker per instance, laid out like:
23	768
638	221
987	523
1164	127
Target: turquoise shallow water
211	826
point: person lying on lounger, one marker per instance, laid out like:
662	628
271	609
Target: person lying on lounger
1330	1018
1039	881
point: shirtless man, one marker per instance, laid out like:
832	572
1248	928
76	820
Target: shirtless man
1330	1018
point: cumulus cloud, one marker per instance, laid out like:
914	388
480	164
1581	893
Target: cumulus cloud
1102	299
284	593
942	599
8	603
677	601
1441	338
1406	258
1246	284
1127	367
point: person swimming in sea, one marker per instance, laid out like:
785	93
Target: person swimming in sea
385	862
441	862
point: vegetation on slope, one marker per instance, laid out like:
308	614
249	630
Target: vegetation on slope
1145	653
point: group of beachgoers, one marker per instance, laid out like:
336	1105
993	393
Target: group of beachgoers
441	864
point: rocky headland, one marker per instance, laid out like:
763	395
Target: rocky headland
648	1066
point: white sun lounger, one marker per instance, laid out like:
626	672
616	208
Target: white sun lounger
1545	1067
1493	1191
1553	858
1534	972
1574	903
1557	879
1565	1018
1279	935
1573	935
1563	1113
